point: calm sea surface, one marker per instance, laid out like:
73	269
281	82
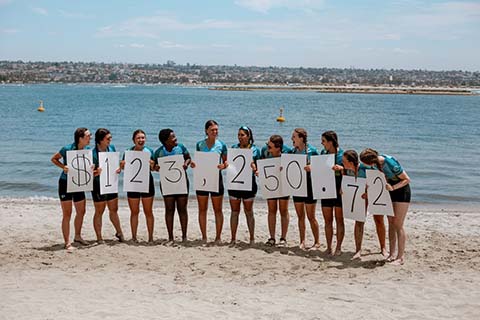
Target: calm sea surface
435	138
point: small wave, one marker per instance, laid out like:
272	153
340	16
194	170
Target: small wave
24	186
28	199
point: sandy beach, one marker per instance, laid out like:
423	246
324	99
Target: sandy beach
40	280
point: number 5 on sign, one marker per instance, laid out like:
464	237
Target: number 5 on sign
137	171
172	175
269	175
379	201
352	203
108	162
80	171
239	171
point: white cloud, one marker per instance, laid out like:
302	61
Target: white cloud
40	11
264	6
172	45
137	45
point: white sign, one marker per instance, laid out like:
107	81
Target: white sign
137	171
109	163
352	203
80	171
269	175
323	177
239	171
379	201
206	173
294	176
172	175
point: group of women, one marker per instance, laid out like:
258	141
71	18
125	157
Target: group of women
347	162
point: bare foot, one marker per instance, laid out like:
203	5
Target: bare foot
81	241
390	258
217	241
328	251
69	248
315	247
397	262
384	253
357	255
101	241
338	252
252	242
302	246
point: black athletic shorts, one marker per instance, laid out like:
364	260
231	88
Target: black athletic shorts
138	195
220	192
330	203
309	198
244	194
401	195
97	197
65	196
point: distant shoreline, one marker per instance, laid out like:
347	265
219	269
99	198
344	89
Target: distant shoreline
353	89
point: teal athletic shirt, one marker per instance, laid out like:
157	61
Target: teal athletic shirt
63	153
218	147
391	168
145	149
338	159
255	150
267	155
163	152
362	171
309	151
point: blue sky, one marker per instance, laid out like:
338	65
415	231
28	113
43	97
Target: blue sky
409	34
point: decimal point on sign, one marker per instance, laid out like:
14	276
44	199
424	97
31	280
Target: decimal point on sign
324	189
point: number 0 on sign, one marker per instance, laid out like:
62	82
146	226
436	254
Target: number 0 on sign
137	171
294	176
80	171
379	201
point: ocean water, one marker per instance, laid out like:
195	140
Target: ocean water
435	138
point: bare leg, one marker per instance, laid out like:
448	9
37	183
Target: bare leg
310	208
285	217
169	215
78	222
358	232
134	204
114	218
340	229
248	208
183	215
97	218
235	208
300	209
400	209
202	215
392	238
272	217
148	210
381	233
217	203
66	216
328	217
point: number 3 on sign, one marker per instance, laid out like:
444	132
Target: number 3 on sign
172	175
137	171
239	171
379	201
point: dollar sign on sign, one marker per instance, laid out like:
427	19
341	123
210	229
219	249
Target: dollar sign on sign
79	163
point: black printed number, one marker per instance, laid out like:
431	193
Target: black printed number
376	203
277	182
171	168
288	176
139	169
108	173
354	195
241	170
